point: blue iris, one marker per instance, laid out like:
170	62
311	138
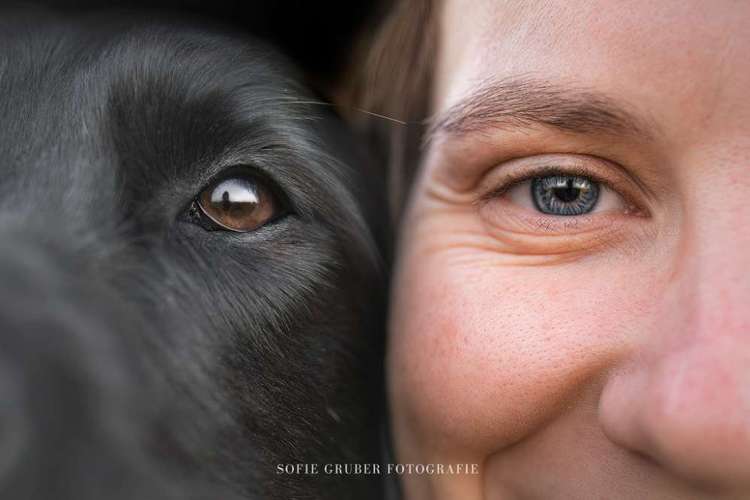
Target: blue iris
564	194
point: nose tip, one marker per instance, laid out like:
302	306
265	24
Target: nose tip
689	412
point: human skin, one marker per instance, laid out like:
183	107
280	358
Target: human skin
601	355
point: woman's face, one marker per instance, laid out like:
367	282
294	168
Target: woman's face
571	308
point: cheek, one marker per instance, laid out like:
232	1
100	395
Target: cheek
482	353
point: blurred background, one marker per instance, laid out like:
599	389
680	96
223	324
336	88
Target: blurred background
319	36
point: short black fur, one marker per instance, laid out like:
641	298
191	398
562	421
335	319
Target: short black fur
142	356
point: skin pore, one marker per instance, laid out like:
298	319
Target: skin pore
604	354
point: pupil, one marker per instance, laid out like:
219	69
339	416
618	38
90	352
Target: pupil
564	194
568	193
225	203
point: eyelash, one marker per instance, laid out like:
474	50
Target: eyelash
514	179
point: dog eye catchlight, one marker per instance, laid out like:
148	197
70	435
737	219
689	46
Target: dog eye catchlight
239	203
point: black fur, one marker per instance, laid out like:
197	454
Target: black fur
142	356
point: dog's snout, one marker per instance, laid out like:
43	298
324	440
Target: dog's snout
68	376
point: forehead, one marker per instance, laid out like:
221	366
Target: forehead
113	104
665	59
84	72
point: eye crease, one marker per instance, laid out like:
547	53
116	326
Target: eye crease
239	203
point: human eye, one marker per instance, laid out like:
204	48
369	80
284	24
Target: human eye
566	195
560	195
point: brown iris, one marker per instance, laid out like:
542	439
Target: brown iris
238	203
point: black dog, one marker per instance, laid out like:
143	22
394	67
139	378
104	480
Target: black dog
190	281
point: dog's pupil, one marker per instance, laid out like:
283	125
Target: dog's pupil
235	195
239	203
225	203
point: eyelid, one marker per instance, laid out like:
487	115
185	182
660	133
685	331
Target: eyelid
507	175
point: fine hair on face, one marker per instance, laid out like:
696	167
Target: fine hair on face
391	79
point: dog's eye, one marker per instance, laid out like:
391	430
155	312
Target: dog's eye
240	203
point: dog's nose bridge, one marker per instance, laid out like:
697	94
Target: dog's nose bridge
80	401
69	375
52	314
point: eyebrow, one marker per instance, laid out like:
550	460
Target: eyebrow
526	102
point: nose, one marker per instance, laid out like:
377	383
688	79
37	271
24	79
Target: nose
683	398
